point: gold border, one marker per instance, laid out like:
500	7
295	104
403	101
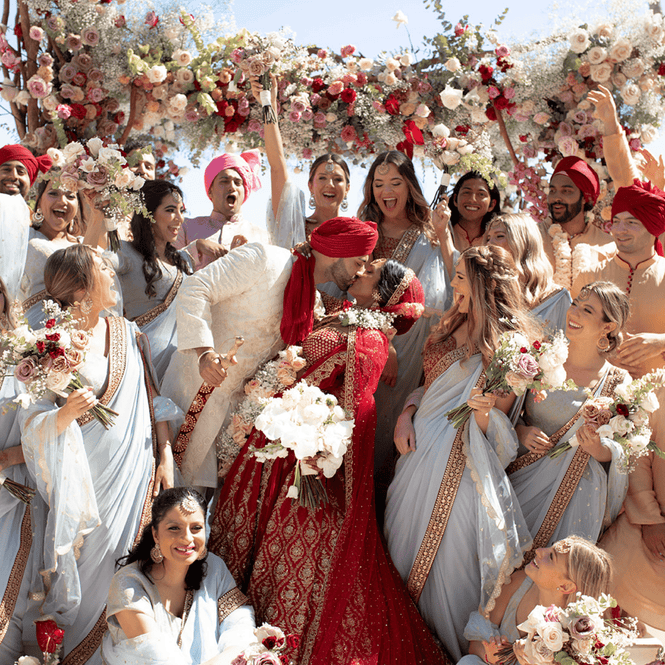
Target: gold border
153	313
401	288
16	575
33	300
229	602
447	361
191	417
326	368
89	644
406	243
117	363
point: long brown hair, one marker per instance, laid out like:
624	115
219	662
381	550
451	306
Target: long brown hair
69	270
417	209
496	306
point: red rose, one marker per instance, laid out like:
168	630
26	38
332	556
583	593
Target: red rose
269	642
284	660
55	337
622	410
50	323
490	112
462	129
40	346
524	350
57	352
361	79
501	103
78	111
485	72
318	85
348	96
79	79
406	147
49	636
537	345
292	641
392	105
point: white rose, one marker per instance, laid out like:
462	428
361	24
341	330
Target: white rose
604	30
9	90
24	333
633	69
605	432
392	64
178	102
406	59
50	103
451	98
72	150
452	64
94	146
623	392
450	158
441	130
138	183
479	116
579	40
183	58
422	111
553	636
650	402
28	660
619	79
365	64
631	94
123	179
640	417
597	54
184	76
638	443
537	652
621	50
654	30
22	98
555	377
601	73
58	381
56	156
107	154
621	425
156	74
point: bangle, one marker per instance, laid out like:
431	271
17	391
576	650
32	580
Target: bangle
205	353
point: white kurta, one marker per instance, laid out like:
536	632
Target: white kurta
14	226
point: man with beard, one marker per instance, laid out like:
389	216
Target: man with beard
229	181
265	294
571	242
18	172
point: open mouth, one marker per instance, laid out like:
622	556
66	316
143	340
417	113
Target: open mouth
232	199
390	204
574	326
186	551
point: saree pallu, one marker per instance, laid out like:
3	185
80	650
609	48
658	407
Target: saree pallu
453	524
323	574
98	487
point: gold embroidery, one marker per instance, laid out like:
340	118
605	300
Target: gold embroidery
406	244
325	369
82	652
230	602
16	575
189	600
401	288
153	313
33	300
191	418
117	363
449	356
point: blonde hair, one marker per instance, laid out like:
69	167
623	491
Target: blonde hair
526	246
68	271
496	306
589	567
615	304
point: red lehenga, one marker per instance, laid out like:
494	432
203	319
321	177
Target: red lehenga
324	574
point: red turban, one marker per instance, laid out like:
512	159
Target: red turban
646	203
582	175
341	237
247	165
18	153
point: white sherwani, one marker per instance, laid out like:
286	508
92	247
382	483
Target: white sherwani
14	227
239	294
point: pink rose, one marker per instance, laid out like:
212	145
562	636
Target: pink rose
582	628
90	37
336	88
237	55
348	134
307	153
95	95
346	51
493	92
25	370
502	51
120	21
74	42
321	53
64	111
151	19
256	68
298	106
294	116
79	339
253	125
36	33
267	659
83	61
45	60
97	178
38	87
95	75
67	73
527	366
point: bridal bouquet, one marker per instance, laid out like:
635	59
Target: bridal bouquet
310	423
271	378
518	366
269	647
624	419
48	359
103	169
578	633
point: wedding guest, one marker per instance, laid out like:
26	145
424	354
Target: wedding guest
450	500
572	565
323	572
259	292
172	601
18	171
581	491
473	203
229	181
411	234
328	183
151	270
98	483
571	241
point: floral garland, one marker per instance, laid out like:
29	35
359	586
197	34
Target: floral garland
563	256
367	318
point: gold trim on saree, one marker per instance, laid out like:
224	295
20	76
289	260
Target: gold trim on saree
229	602
406	243
16	575
83	651
191	418
153	313
117	363
33	300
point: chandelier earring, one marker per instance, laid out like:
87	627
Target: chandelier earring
203	555
37	218
86	306
603	344
312	202
376	297
345	204
156	554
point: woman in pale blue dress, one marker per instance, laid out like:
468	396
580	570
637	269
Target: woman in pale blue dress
581	491
150	270
172	602
554	577
453	524
98	483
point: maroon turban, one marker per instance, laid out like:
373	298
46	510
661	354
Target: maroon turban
584	177
646	203
341	237
18	153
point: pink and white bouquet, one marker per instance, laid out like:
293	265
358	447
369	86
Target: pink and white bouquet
104	169
518	366
271	378
310	423
49	358
269	648
579	633
624	419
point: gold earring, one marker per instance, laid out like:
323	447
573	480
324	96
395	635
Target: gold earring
156	554
603	344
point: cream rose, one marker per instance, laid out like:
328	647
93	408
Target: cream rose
451	98
579	40
602	72
597	54
631	94
621	50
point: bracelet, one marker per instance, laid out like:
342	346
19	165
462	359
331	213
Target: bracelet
205	353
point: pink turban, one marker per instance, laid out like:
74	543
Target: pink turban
247	165
18	153
582	175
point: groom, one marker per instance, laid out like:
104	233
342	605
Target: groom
265	294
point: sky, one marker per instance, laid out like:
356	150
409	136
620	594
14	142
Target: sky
368	26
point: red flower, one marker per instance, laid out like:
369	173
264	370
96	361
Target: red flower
501	103
50	323
18	30
49	636
412	133
490	112
406	147
661	69
348	95
537	345
462	129
151	19
318	85
485	72
392	105
361	78
292	641
40	346
55	337
460	29
78	111
269	642
284	660
524	350
622	410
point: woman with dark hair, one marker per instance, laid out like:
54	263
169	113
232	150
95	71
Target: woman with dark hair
450	500
473	203
98	483
323	573
151	269
329	182
172	602
394	200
